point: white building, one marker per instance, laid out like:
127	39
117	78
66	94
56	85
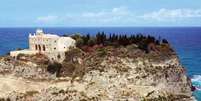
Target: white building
51	45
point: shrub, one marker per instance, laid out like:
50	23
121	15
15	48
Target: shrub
91	42
20	55
102	52
79	42
76	36
67	69
69	66
54	68
72	70
74	52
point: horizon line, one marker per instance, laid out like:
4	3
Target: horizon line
96	26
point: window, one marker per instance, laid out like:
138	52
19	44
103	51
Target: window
44	48
54	48
36	47
59	56
39	47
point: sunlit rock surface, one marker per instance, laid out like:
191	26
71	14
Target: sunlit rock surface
106	74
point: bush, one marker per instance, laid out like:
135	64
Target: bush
54	68
102	52
67	69
75	52
20	55
79	42
71	69
91	42
76	36
69	66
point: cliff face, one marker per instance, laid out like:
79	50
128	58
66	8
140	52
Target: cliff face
123	73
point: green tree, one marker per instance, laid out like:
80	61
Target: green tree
76	36
79	42
91	42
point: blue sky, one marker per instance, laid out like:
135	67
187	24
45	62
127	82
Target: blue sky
68	13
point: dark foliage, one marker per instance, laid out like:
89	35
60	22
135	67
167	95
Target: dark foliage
165	41
101	38
54	68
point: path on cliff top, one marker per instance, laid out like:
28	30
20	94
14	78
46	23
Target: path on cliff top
10	83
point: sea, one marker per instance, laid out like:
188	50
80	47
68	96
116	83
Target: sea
186	41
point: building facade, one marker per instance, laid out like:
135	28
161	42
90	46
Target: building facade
51	45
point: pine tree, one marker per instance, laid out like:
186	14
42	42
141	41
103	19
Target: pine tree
165	41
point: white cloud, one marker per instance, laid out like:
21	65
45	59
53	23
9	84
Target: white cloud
120	11
107	16
116	15
174	14
121	16
47	19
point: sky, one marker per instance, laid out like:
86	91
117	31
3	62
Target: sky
101	13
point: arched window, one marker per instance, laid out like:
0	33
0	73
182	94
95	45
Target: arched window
36	47
39	47
44	48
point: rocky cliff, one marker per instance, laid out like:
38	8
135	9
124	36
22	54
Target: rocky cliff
106	73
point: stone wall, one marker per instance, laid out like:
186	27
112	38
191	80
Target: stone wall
56	56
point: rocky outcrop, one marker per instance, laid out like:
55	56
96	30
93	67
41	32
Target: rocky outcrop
106	76
28	70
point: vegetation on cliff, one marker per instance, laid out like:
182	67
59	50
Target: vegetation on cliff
145	43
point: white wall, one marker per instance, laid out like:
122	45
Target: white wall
54	46
64	43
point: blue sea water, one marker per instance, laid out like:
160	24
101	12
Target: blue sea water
185	40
